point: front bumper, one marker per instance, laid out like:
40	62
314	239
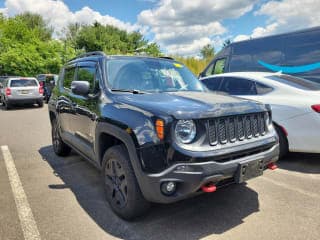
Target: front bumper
189	177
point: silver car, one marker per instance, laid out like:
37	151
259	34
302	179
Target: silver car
21	90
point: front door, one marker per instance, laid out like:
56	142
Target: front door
82	122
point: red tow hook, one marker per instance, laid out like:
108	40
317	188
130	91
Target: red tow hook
209	187
272	166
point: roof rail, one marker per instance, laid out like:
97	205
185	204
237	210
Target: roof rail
88	54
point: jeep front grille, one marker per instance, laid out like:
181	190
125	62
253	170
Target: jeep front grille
237	128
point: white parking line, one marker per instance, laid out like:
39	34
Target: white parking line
27	222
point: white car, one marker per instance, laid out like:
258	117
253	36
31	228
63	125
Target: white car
295	104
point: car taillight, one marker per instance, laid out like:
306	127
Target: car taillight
316	108
8	91
41	90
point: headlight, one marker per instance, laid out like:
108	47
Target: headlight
185	131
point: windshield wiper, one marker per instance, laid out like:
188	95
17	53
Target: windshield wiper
133	91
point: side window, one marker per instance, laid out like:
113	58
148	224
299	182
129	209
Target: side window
209	70
68	77
87	73
263	89
219	66
212	84
238	86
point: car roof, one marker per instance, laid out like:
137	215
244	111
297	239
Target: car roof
22	78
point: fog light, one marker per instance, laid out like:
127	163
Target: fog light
168	188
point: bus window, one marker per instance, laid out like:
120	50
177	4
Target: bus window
240	63
219	66
209	70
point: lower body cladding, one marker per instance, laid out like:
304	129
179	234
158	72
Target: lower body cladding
183	180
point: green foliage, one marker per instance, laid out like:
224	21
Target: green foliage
27	47
226	43
207	52
194	64
109	39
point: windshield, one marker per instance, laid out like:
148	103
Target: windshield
23	83
151	75
296	82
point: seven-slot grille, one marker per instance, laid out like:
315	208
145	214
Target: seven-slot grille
237	128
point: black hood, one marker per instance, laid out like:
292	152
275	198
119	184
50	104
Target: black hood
191	105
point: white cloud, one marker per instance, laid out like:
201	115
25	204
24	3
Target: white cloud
57	13
183	27
241	37
287	15
4	11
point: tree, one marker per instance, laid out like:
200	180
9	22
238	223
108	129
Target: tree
226	43
27	48
36	23
207	51
112	40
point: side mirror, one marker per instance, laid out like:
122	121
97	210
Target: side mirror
200	75
52	82
80	88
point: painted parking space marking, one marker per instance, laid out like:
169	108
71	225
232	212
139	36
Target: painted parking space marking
27	222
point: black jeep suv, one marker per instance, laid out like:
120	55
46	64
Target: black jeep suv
155	131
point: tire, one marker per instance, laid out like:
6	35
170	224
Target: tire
59	147
7	106
283	142
122	190
40	104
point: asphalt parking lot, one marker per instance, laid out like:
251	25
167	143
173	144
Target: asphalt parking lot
66	197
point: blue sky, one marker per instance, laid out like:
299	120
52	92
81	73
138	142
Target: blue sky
178	26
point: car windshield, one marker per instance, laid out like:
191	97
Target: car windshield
23	83
296	82
151	75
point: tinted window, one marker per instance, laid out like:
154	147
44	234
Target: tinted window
263	89
68	77
219	66
238	86
87	74
240	63
303	48
50	78
209	70
212	84
23	83
296	82
247	54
